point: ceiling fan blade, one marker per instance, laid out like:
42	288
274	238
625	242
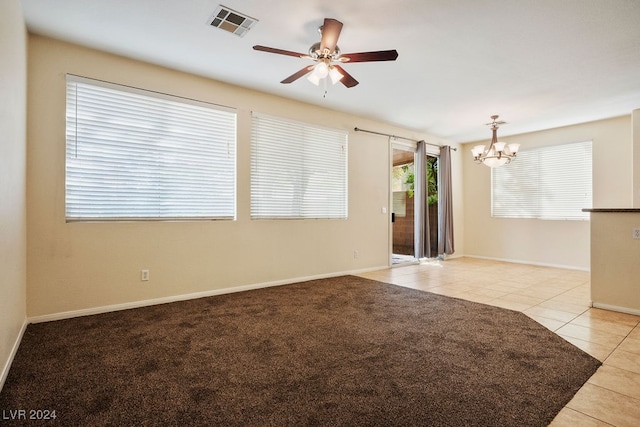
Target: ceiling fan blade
380	55
347	78
330	33
295	76
279	51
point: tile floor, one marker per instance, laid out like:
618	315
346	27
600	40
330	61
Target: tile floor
559	299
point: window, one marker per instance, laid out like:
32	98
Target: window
134	154
547	183
297	170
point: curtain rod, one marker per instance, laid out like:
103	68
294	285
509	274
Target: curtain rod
357	129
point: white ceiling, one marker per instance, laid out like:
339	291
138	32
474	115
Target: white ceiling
538	63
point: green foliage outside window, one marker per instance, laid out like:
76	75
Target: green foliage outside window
432	180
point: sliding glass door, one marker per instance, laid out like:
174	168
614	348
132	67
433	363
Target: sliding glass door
407	231
403	205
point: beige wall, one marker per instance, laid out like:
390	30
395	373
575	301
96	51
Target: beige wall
559	243
635	117
615	268
83	265
13	57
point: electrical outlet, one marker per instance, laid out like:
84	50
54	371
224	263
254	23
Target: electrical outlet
636	233
355	254
144	275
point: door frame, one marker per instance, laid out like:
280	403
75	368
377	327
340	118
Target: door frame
408	146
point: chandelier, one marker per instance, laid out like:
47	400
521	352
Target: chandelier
498	153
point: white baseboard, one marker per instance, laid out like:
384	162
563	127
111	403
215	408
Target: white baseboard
12	354
184	297
541	264
616	308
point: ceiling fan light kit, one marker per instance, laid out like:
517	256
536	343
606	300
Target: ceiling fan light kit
326	54
498	153
321	71
335	75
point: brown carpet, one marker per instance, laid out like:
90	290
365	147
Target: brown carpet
342	351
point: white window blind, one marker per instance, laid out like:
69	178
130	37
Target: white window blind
297	170
548	183
134	154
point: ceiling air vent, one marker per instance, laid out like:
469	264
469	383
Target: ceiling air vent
232	21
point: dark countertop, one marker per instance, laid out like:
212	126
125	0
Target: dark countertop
612	210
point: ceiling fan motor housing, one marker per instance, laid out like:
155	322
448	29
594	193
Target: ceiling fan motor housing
315	53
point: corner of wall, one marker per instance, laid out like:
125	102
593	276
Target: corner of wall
635	138
13	187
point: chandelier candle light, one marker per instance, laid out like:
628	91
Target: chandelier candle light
498	153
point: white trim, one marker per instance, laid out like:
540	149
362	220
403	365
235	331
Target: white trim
148	92
527	190
408	146
184	297
315	155
616	308
12	354
190	172
541	264
259	115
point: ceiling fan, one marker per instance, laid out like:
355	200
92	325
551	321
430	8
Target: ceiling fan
327	56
